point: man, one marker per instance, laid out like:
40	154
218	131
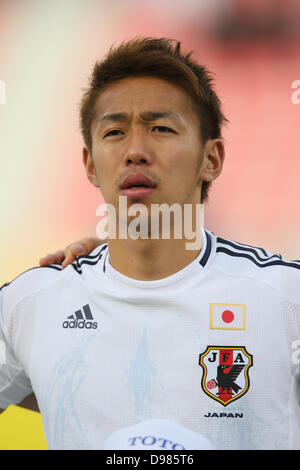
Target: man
145	328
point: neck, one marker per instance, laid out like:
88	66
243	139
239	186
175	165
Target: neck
149	260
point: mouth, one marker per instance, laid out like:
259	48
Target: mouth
137	185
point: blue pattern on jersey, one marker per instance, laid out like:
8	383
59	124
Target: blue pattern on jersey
141	376
64	429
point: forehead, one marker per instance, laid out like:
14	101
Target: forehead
142	94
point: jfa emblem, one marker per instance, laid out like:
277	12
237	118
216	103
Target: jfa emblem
225	372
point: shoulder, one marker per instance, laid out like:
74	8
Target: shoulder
35	279
260	265
30	282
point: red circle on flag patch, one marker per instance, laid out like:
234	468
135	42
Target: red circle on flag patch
227	316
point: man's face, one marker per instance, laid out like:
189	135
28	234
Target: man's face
146	126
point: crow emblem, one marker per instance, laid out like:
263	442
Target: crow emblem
225	372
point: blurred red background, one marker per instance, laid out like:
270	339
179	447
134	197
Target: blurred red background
47	50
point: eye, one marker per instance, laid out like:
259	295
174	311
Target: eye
163	129
113	132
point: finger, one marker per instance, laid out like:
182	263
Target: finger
80	248
90	243
75	249
71	252
52	258
68	260
45	260
58	256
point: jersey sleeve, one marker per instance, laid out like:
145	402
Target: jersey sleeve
14	384
291	290
290	276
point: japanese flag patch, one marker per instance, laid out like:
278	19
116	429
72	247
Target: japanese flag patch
227	316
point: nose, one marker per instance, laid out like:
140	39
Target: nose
138	151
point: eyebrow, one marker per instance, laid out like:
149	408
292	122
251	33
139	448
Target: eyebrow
146	116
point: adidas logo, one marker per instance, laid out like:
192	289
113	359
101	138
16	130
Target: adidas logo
81	319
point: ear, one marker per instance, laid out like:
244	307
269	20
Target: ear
90	167
214	154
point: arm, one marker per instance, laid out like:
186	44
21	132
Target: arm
68	255
14	391
15	385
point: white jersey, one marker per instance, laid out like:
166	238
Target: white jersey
214	347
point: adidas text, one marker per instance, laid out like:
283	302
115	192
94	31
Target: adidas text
80	324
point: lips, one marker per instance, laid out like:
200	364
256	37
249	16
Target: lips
136	180
137	186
